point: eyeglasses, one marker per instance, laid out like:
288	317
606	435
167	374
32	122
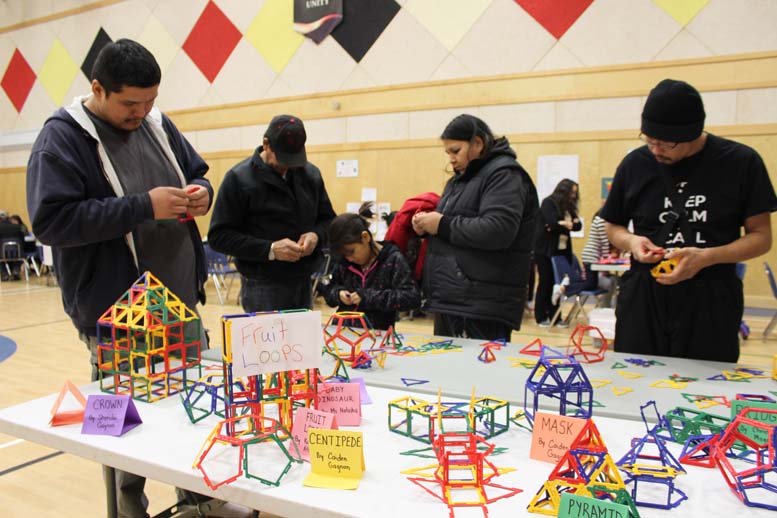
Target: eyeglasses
658	144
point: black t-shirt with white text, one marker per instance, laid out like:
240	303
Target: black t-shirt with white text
722	185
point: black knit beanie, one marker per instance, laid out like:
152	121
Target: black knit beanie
673	112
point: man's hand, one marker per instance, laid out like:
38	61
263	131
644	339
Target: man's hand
643	250
168	202
426	222
199	198
691	260
287	250
307	243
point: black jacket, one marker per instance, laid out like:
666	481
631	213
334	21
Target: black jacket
255	207
387	287
477	265
10	230
71	195
548	230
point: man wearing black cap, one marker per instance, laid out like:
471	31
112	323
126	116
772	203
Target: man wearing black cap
271	215
688	194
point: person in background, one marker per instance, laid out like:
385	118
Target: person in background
480	236
689	194
401	233
558	218
17	220
371	277
30	246
597	247
271	215
11	230
107	180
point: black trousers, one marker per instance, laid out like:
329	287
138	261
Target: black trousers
698	318
543	308
454	325
258	295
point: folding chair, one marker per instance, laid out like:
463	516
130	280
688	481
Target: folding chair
12	251
773	284
321	275
219	268
47	265
571	268
32	254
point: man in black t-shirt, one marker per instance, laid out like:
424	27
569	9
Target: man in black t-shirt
687	194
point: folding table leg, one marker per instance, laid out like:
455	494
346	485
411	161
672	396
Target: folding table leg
109	475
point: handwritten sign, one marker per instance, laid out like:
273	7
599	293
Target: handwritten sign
576	506
552	436
342	400
304	420
336	459
108	414
757	434
275	342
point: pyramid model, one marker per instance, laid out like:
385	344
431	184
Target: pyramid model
587	462
651	451
148	304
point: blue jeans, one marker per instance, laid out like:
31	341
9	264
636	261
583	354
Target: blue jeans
257	295
131	500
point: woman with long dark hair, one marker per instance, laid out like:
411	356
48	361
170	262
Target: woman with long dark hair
480	236
558	218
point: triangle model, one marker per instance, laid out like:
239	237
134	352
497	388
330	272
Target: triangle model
409	382
59	418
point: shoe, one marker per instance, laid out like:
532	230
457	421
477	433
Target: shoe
560	323
544	323
556	294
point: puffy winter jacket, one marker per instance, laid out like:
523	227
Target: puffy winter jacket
385	288
477	265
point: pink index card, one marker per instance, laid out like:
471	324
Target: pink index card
304	419
552	436
342	400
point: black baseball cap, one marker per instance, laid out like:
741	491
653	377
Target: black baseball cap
287	137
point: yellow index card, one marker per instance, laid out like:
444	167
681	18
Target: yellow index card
336	459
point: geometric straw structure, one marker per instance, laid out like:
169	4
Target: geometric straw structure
259	410
146	342
558	377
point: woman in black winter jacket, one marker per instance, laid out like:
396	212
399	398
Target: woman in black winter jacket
480	237
558	217
371	277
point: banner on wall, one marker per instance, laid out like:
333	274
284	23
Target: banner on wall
317	18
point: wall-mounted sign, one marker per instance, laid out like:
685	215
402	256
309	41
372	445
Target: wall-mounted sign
317	18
